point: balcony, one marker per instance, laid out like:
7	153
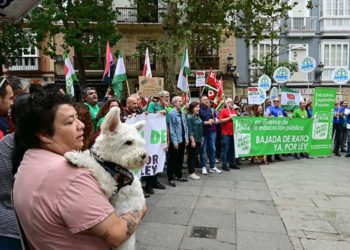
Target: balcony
135	63
25	64
301	26
335	26
205	63
91	63
131	15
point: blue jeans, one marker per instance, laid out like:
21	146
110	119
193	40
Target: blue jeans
208	148
7	243
227	151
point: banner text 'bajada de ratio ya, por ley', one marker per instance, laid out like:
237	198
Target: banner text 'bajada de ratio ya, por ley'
268	136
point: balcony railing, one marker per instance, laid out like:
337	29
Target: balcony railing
91	62
136	63
335	24
298	24
131	15
205	62
25	64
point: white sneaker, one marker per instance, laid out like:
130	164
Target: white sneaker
215	170
204	171
194	176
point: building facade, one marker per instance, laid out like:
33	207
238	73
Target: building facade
136	27
320	29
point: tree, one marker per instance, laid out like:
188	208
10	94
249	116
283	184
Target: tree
255	21
192	22
86	25
13	38
185	23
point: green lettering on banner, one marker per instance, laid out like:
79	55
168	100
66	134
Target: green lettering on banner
158	136
321	143
267	136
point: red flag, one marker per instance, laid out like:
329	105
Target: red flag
110	66
212	79
220	84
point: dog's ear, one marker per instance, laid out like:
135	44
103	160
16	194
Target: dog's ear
111	121
139	125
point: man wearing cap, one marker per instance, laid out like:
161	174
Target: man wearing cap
227	140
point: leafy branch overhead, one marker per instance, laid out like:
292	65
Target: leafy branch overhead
85	25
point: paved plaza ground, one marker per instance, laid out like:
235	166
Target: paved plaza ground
295	204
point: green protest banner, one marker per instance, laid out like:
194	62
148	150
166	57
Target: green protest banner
323	103
267	136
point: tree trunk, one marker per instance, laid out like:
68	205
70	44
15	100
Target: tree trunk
81	69
169	60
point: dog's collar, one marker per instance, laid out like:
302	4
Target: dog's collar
121	175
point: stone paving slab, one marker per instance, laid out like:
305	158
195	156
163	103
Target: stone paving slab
313	199
160	235
259	223
219	219
260	240
230	202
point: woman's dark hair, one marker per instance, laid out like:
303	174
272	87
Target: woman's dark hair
84	116
105	108
192	106
38	115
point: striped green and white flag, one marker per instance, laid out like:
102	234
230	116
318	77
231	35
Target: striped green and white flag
184	71
119	77
70	75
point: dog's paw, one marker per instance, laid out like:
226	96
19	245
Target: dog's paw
73	157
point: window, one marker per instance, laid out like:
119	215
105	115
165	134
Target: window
337	7
336	54
263	49
29	60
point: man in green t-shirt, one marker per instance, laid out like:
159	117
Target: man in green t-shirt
301	111
90	100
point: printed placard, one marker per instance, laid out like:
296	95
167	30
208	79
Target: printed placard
256	95
264	82
340	75
281	75
307	64
200	78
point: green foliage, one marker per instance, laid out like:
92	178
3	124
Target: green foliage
256	20
267	66
13	38
86	25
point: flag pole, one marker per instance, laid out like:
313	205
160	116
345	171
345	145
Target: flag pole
127	85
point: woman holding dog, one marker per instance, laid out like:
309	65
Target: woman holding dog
60	206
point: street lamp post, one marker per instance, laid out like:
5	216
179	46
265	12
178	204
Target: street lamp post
230	69
318	73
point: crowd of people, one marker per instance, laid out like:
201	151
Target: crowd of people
64	206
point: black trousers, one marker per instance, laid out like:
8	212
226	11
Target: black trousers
337	137
192	157
175	160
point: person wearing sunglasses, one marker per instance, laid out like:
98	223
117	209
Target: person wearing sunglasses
275	110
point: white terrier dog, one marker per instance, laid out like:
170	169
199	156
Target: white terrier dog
118	149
